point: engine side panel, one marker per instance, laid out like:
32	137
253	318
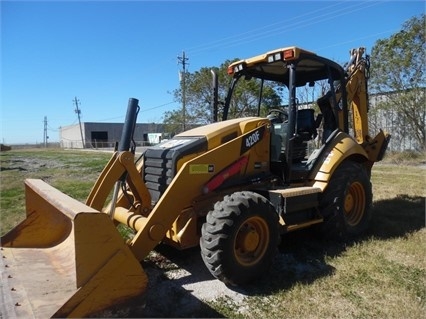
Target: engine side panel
160	161
163	161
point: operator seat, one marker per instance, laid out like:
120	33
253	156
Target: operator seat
306	126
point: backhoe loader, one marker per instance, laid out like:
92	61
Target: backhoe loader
232	187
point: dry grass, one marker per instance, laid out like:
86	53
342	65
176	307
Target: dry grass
72	172
380	275
389	181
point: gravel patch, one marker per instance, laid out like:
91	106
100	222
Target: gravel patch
183	287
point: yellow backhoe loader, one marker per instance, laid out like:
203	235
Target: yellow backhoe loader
232	187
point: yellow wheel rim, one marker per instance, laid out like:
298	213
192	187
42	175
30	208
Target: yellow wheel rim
251	241
354	204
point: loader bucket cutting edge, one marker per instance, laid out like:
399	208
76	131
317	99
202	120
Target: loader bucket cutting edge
65	259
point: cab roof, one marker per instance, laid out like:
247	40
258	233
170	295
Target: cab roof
272	65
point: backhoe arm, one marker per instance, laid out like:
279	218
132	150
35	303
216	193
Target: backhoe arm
357	94
356	88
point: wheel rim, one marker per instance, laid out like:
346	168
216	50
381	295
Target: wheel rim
251	241
354	204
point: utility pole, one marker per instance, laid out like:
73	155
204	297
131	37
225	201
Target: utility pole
78	111
182	60
45	137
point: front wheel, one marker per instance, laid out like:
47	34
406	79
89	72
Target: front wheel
346	202
240	237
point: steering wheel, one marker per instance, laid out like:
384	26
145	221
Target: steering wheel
278	115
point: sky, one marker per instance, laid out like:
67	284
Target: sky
105	52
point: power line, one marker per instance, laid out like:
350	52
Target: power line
273	30
141	111
249	34
353	40
52	129
156	107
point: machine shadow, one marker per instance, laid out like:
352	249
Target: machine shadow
169	271
302	255
301	259
398	217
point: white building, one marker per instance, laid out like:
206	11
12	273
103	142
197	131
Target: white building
101	135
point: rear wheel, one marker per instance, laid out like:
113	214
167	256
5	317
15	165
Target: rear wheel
240	237
345	204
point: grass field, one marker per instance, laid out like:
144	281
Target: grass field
74	173
380	275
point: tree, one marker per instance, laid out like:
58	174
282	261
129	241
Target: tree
398	74
199	95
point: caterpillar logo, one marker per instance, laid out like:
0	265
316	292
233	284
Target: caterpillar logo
201	168
252	138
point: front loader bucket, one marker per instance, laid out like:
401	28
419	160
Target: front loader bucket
65	259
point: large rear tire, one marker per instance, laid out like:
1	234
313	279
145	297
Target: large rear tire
346	202
240	237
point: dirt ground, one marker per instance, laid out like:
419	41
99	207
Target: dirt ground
181	286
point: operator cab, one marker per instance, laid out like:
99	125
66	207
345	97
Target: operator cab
305	84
